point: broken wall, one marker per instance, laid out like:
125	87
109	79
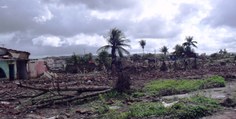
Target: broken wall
37	68
5	66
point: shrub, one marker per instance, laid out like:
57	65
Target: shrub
214	81
146	109
187	108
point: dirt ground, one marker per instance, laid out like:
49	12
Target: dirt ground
12	96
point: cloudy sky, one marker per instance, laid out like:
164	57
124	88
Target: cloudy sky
61	27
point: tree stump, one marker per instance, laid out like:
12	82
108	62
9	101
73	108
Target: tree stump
123	82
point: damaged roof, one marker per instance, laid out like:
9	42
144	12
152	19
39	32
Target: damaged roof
13	54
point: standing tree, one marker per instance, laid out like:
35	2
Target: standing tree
103	59
116	41
142	44
187	45
164	50
74	59
189	52
72	64
178	51
179	54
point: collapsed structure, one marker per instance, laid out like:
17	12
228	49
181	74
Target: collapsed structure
13	64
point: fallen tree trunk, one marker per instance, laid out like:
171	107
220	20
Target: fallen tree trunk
64	100
56	94
78	89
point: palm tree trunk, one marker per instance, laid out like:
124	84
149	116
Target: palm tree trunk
143	52
113	56
195	63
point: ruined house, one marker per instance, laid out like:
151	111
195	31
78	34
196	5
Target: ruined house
55	63
37	67
13	64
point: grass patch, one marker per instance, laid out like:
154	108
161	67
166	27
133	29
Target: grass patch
147	109
194	107
187	108
170	87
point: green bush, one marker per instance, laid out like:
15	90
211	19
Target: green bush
112	114
169	87
194	107
214	81
183	111
187	108
102	107
146	109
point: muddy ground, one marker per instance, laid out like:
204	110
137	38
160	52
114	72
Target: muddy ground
12	96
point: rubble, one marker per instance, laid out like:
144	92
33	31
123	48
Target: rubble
20	97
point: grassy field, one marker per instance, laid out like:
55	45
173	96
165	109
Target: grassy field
170	87
187	108
193	107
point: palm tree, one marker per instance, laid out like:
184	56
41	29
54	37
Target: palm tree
164	50
116	41
178	51
142	44
187	45
189	52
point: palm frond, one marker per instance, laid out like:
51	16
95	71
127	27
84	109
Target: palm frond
125	45
123	50
194	45
106	47
120	53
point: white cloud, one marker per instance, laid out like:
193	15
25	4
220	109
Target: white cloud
53	41
83	39
46	16
4	7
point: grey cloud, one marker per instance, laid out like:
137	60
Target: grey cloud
153	28
38	51
222	14
65	24
186	12
23	42
18	16
102	5
72	17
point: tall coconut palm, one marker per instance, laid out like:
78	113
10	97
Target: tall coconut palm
189	52
164	50
187	45
116	41
142	44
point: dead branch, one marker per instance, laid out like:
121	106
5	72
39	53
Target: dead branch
78	89
68	99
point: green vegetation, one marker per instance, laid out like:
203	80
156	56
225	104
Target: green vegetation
103	59
193	107
144	109
169	87
187	108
